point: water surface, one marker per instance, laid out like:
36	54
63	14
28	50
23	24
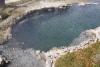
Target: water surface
55	29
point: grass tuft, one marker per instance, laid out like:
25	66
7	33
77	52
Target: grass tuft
87	57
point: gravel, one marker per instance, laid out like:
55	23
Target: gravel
23	58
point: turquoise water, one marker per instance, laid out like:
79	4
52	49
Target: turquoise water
55	29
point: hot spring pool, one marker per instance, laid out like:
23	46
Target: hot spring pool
54	29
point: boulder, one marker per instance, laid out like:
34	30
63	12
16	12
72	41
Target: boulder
3	61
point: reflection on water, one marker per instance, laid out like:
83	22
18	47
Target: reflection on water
47	30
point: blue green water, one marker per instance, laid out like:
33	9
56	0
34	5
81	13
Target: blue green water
55	29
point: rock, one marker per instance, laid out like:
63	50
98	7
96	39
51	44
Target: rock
0	17
23	57
3	61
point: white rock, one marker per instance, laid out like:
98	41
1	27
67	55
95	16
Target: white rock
0	59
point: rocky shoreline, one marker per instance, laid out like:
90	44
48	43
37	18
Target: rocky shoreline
49	58
7	24
86	38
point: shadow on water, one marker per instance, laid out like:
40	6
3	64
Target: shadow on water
54	27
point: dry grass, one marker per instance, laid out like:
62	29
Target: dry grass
88	57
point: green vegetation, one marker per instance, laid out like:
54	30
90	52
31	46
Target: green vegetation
87	57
